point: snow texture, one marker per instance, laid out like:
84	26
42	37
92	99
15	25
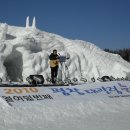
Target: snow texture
69	113
25	51
34	23
27	22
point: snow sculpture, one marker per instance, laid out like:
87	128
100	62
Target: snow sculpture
3	31
34	23
27	22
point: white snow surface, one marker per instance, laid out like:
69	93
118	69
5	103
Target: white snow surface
25	51
75	112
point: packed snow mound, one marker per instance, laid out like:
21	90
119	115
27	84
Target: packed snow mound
25	51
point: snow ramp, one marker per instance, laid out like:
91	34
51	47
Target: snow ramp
91	106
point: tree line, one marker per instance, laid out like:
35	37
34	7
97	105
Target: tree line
124	53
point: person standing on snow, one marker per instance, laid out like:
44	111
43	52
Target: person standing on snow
54	61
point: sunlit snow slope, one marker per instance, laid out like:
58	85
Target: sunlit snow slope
92	106
24	51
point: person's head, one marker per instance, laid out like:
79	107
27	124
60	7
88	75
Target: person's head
55	52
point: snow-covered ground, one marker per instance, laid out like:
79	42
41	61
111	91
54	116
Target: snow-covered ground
91	106
25	51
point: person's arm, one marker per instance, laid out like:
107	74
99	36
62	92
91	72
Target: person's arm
57	57
51	56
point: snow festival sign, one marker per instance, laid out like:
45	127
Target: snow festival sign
110	89
17	95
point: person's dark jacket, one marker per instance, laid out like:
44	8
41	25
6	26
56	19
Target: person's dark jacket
53	57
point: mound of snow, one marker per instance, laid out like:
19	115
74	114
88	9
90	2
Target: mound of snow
24	51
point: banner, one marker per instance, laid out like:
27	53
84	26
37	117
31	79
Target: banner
17	95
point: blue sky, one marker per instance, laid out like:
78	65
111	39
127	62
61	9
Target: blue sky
105	23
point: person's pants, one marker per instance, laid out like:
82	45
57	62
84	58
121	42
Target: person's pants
54	71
